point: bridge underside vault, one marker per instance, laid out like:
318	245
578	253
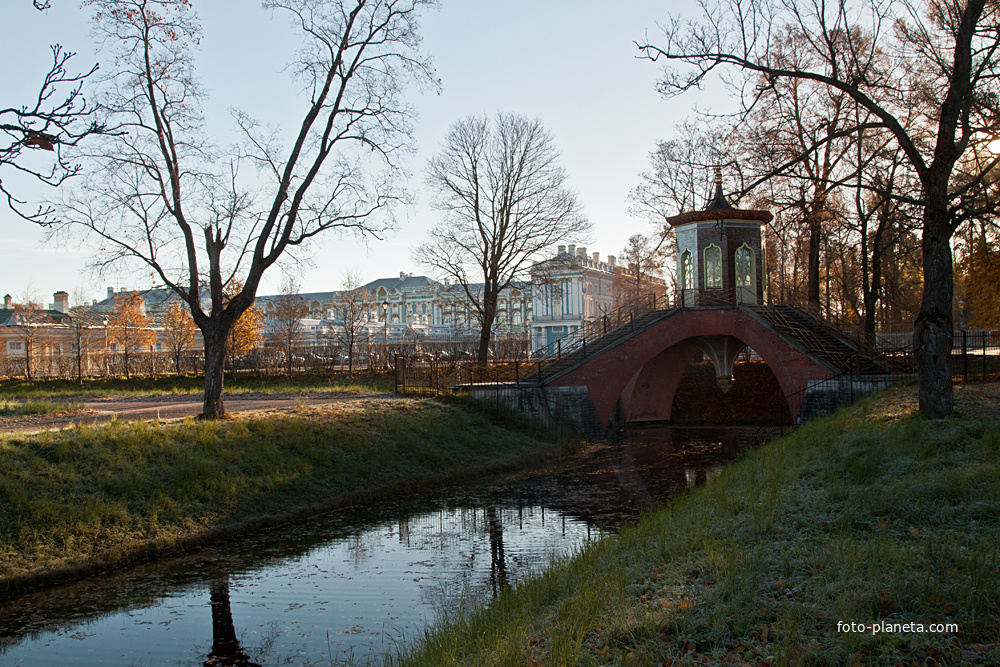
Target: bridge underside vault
642	373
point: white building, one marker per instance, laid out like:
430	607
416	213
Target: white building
567	290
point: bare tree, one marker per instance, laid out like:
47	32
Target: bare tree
160	196
83	323
639	274
889	58
286	313
794	140
504	201
680	175
58	117
30	319
354	303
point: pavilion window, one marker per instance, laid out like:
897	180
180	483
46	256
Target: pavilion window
713	267
746	273
687	270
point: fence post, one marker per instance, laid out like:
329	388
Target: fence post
559	348
539	371
584	346
605	324
395	377
517	373
403	359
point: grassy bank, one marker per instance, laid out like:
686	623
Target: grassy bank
21	389
91	497
873	515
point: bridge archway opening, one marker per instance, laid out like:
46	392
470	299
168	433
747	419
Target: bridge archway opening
705	380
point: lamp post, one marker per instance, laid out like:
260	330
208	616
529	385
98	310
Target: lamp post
385	318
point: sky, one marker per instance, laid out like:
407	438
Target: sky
571	63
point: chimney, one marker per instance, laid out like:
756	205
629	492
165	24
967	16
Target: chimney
571	249
111	292
611	261
6	301
61	300
562	250
596	257
581	252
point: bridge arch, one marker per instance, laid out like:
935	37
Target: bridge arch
646	368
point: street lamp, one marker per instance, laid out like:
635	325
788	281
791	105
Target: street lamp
385	318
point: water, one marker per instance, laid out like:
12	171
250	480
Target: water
357	583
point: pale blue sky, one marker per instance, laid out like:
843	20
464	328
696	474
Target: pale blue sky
571	63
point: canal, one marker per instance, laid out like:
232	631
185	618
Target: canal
354	584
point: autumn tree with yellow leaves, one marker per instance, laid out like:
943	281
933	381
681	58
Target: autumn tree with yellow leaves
129	328
178	331
981	280
247	332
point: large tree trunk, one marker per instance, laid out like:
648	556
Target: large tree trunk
489	315
215	355
932	332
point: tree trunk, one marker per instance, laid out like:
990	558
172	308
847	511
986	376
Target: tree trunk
812	286
932	332
215	355
489	315
872	287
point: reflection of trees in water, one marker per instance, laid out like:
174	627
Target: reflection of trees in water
226	648
498	565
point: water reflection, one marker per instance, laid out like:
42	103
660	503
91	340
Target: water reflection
357	582
226	649
498	568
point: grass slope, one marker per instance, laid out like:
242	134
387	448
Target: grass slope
871	515
98	496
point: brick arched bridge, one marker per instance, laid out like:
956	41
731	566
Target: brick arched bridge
636	368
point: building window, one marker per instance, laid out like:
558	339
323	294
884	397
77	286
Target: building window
713	267
687	270
15	346
746	275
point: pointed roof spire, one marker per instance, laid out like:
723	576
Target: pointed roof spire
719	203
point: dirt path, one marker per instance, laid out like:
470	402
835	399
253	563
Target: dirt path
167	407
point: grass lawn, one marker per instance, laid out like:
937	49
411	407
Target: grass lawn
872	515
92	497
